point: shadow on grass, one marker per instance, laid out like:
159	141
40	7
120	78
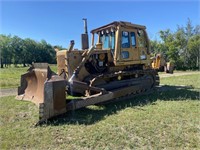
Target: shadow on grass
91	115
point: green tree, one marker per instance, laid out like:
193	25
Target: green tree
5	50
29	46
17	45
17	50
181	46
193	51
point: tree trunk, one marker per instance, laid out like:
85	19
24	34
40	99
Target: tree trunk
6	63
24	63
1	62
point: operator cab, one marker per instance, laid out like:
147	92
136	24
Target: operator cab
127	42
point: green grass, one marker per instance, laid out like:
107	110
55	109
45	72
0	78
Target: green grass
189	80
169	119
10	77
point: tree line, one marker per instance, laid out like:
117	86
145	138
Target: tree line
15	50
181	47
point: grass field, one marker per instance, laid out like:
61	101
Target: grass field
10	77
169	119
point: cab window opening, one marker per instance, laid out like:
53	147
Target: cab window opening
125	41
108	40
141	39
113	40
133	39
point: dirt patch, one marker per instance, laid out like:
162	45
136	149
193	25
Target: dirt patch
8	92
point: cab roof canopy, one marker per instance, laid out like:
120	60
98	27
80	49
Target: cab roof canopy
113	25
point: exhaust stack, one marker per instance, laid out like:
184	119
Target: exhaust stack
84	36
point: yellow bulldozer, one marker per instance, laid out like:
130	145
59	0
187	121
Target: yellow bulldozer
116	66
160	64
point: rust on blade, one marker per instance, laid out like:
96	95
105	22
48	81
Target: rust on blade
54	98
32	83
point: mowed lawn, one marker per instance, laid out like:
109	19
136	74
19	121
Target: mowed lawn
161	120
10	77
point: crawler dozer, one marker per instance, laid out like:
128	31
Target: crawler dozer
116	66
160	64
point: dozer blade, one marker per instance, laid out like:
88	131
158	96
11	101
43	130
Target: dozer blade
32	83
45	88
